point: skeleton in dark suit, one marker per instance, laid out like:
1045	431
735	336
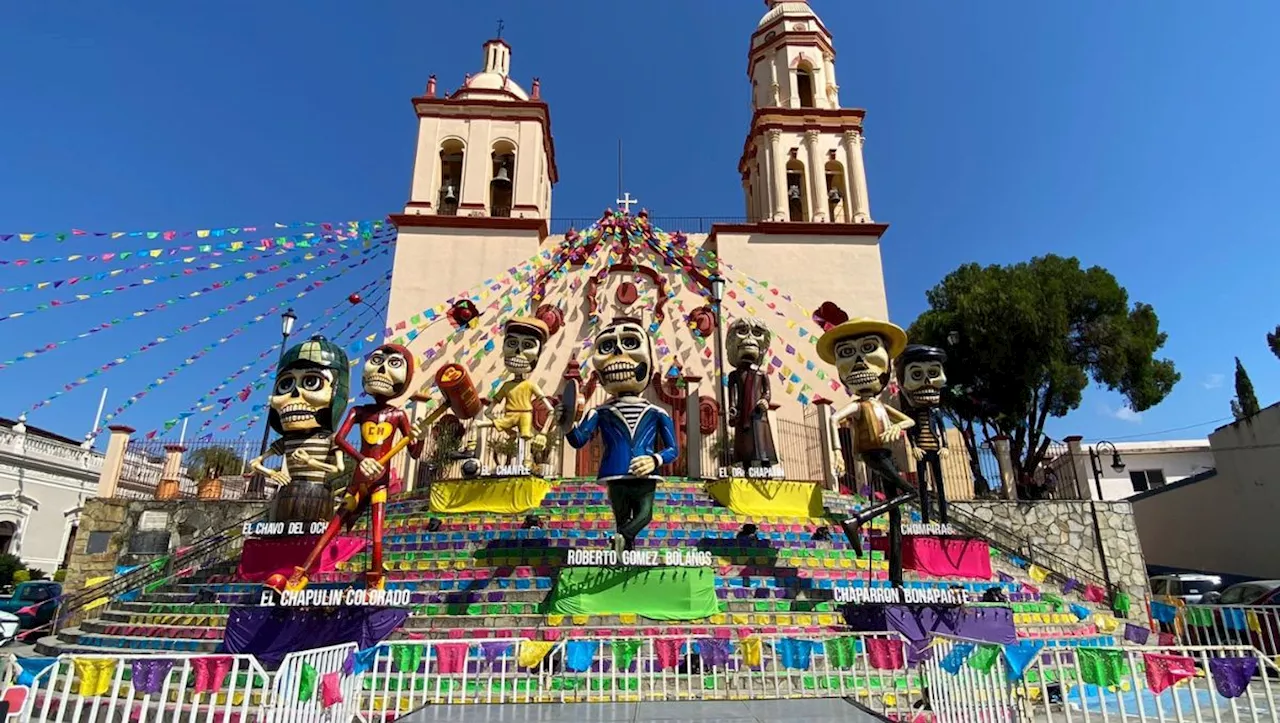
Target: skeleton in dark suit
920	381
749	394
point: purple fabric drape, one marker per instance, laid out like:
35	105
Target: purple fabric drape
919	624
1136	633
149	674
1231	675
493	651
865	618
714	652
270	633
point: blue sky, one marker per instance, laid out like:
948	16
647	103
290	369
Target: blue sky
1138	136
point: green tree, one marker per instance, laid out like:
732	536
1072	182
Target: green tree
214	460
1245	404
9	566
1273	341
1027	340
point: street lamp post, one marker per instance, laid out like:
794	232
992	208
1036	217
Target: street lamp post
1095	463
257	486
717	294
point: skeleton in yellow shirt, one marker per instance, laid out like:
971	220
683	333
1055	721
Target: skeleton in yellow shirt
522	342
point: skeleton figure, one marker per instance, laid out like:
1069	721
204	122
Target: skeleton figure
861	351
921	379
522	343
310	392
631	428
749	394
386	375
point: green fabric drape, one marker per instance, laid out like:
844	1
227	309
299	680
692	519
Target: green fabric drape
841	652
624	652
407	658
984	657
307	682
1100	666
657	593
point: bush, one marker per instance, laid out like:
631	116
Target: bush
21	576
36	573
60	575
9	564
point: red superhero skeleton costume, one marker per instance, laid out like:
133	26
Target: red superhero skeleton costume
386	375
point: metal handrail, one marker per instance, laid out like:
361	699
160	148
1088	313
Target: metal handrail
197	554
1014	544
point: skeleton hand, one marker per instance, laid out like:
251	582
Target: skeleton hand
418	431
370	468
762	405
281	476
839	465
300	457
890	435
491	411
733	415
641	466
917	453
944	452
538	443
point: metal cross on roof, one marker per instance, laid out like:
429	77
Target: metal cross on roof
626	202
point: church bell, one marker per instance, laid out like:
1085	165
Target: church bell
450	194
502	176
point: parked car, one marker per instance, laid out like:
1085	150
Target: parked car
1188	587
34	602
1246	593
8	627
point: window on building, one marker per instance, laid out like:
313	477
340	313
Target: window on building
7	532
804	87
98	542
452	154
502	180
1146	479
71	543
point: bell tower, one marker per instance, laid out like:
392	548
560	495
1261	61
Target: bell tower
809	225
802	160
480	196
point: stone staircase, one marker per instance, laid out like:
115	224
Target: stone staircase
487	576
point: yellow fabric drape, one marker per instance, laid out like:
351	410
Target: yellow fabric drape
96	675
1106	623
533	651
503	496
1251	620
1037	573
752	651
91	582
781	498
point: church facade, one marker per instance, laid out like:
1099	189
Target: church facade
476	229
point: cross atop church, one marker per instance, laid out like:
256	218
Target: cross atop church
626	202
501	25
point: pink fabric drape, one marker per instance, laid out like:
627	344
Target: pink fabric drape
947	556
1094	594
1164	671
451	658
211	672
668	652
885	653
331	689
263	558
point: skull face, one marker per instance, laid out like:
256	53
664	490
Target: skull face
922	382
863	364
520	351
623	357
301	396
747	342
386	372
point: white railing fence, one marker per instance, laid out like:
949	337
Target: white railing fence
406	675
971	683
154	689
314	686
1254	625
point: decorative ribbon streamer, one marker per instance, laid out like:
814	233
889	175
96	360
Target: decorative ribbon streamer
59	303
61	236
200	404
186	261
269	313
262	379
160	340
221	248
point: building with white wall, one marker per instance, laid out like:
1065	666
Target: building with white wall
1146	466
44	480
1221	521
